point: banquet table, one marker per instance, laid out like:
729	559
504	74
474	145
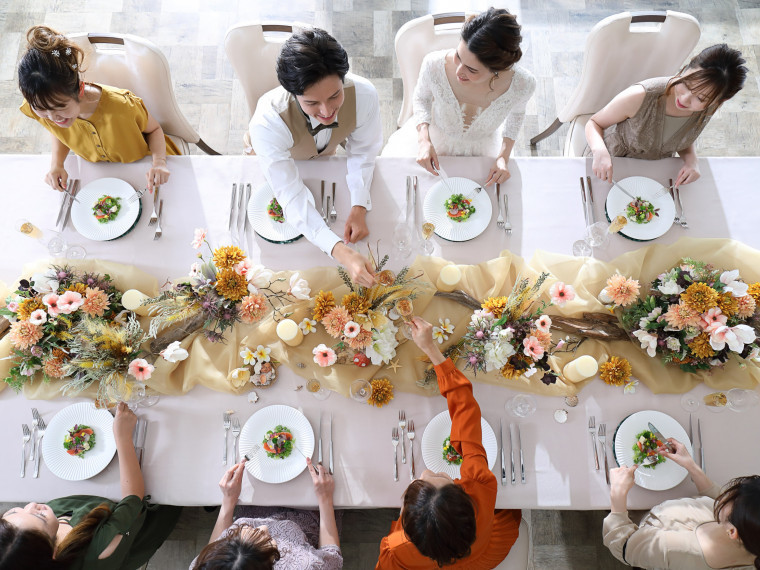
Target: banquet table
182	462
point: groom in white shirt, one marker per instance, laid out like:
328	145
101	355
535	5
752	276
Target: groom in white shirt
318	107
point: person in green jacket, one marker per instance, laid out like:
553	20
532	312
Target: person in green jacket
90	533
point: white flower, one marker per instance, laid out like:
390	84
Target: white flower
507	334
351	329
44	283
544	323
648	341
173	352
308	326
736	288
530	371
754	354
262	353
299	288
253	397
198	238
446	326
38	317
670	288
735	337
247	355
384	344
481	318
630	386
439	335
258	277
497	354
195	270
673	344
604	298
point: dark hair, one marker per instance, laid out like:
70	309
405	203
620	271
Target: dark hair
25	548
743	496
49	70
494	38
74	545
234	552
719	74
309	56
440	521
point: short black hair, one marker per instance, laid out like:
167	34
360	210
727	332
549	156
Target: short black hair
307	57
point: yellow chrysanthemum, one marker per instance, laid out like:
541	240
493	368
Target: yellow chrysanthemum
700	346
227	256
495	305
728	304
80	288
27	307
754	291
324	302
382	392
615	371
700	297
355	304
230	285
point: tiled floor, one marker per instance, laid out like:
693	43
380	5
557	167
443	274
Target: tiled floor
191	34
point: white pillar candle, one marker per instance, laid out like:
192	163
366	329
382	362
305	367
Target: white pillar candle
448	278
581	368
289	332
132	301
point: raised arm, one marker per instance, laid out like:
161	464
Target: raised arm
130	475
422	105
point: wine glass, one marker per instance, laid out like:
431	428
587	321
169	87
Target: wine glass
139	397
57	245
314	387
582	249
427	232
597	234
360	390
522	405
76	252
402	239
405	308
740	400
690	402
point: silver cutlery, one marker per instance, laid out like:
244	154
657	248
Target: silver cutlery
415	188
25	439
41	427
401	427
154	214
226	422
253	451
244	194
443	176
159	232
669	446
235	435
507	223
701	449
501	453
67	213
142	431
661	192
691	432
233	201
592	431
522	460
35	423
64	199
394	440
583	201
410	435
603	442
590	200
319	452
328	220
322	201
622	189
333	211
683	222
677	218
331	448
136	196
512	455
500	218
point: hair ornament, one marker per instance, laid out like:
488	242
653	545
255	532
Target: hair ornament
56	53
68	51
73	66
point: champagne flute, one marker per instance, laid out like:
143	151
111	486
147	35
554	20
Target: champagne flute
427	232
405	308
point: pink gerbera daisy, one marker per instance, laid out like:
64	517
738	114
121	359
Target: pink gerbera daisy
533	348
198	238
140	369
621	290
561	293
544	323
69	302
324	355
51	300
351	329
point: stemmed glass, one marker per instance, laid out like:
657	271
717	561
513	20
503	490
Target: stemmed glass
690	402
405	309
740	400
56	245
522	405
596	235
427	232
402	239
140	397
360	390
315	388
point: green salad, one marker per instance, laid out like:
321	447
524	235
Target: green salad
646	446
79	440
451	455
274	210
641	211
459	208
279	442
106	209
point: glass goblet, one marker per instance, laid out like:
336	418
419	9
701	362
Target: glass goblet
690	402
581	248
56	245
597	234
360	390
76	252
740	400
314	387
402	239
522	405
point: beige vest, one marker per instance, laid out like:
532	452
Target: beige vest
304	147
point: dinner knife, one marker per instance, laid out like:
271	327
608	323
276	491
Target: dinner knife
322	202
691	432
331	446
233	201
590	199
72	199
522	461
501	451
142	429
626	192
414	204
511	455
701	449
662	438
242	213
319	453
583	201
64	199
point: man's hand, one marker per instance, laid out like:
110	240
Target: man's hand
356	226
358	266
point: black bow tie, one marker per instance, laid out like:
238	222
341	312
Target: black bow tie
314	130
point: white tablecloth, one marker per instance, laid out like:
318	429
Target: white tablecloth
182	464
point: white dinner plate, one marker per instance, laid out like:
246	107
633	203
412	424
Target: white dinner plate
70	467
254	432
83	217
265	226
437	431
666	475
434	209
646	188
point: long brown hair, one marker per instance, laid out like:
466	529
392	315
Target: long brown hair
49	70
25	548
79	537
742	494
236	552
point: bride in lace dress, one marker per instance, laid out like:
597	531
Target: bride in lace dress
469	101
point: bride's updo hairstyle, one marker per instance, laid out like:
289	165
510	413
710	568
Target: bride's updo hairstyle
494	38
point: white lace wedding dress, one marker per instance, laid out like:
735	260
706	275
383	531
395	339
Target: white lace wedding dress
435	103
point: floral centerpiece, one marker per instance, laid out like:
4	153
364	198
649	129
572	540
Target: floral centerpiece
694	315
221	291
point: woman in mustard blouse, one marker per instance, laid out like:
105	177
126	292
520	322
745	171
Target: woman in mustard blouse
97	122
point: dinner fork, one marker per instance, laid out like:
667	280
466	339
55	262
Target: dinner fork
233	202
500	218
333	211
677	218
159	232
592	431
236	434
683	222
226	422
27	436
603	442
394	440
507	224
41	427
401	426
154	214
35	423
410	435
136	196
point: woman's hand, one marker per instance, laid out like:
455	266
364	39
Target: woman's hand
356	225
427	158
499	172
157	175
358	266
422	335
124	424
602	165
689	173
681	456
57	178
232	483
324	484
621	482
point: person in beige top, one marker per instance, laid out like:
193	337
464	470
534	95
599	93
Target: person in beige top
662	116
712	530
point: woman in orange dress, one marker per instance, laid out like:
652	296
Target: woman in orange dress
447	522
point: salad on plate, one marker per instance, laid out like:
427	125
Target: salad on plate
79	440
274	211
641	211
646	446
278	443
106	209
459	208
451	455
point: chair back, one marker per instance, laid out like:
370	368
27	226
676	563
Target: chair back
253	49
628	47
519	554
130	62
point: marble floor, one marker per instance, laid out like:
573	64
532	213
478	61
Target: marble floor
191	35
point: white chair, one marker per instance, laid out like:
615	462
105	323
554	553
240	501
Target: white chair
621	50
133	63
519	556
